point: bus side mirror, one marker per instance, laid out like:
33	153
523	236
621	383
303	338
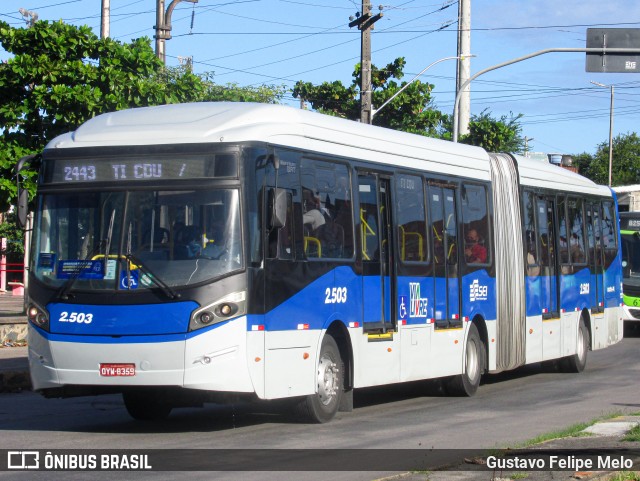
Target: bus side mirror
23	194
278	214
23	207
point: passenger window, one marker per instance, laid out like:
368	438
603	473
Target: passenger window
475	220
442	211
563	231
530	235
412	226
577	250
609	232
327	215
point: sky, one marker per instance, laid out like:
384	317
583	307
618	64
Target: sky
278	42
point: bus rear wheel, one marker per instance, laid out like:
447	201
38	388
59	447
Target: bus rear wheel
578	361
466	384
322	406
144	407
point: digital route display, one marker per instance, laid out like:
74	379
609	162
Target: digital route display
145	168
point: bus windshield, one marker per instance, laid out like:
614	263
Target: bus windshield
137	239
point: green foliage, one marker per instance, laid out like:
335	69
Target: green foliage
62	75
495	135
625	169
14	235
411	111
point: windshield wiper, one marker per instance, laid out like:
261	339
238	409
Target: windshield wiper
168	291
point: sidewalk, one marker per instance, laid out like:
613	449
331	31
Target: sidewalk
14	368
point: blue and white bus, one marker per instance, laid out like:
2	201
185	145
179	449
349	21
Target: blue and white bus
199	253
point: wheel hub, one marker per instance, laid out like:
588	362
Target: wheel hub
328	379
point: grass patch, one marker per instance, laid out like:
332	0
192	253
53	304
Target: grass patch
575	430
633	436
627	476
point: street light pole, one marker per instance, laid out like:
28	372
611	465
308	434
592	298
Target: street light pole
610	126
375	111
163	26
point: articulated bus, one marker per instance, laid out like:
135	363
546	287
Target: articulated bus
630	234
209	252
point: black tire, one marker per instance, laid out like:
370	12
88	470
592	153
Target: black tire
466	384
578	361
143	407
322	406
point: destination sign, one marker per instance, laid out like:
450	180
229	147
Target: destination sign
140	169
627	223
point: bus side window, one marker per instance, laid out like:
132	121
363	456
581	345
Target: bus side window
563	230
576	240
475	225
609	232
530	235
411	226
327	216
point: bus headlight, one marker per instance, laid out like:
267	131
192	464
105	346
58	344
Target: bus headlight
38	316
230	306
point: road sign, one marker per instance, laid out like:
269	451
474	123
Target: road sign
613	38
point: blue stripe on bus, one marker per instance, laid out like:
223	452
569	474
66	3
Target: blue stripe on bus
336	295
129	320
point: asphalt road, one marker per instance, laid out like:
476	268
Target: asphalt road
508	408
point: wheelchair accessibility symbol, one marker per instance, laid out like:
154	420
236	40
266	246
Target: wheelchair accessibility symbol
129	281
403	307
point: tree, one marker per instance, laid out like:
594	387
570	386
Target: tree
62	75
411	111
625	166
495	135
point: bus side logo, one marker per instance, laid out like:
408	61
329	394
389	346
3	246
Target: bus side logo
478	292
417	304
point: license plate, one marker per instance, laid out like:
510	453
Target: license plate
113	370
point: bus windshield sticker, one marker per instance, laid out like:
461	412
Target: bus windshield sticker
46	261
81	269
111	269
130	280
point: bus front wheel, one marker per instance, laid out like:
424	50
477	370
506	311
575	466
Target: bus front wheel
466	384
322	406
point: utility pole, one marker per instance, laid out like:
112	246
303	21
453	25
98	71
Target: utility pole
105	19
364	21
163	26
526	145
464	64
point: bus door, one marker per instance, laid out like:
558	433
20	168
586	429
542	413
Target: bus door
596	261
444	229
550	288
377	253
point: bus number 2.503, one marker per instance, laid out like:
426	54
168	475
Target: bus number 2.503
335	295
79	317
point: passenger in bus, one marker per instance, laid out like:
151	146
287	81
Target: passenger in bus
474	251
577	255
533	269
312	216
